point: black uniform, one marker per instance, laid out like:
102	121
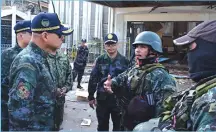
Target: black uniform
106	103
80	63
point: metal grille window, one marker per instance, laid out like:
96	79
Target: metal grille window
6	41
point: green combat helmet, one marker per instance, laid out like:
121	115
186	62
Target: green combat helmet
151	39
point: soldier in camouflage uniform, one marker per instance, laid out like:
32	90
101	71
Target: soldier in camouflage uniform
195	108
112	63
23	36
145	85
61	65
33	89
80	62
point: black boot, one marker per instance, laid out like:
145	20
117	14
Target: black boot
79	86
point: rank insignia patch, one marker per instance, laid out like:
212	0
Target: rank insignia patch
23	90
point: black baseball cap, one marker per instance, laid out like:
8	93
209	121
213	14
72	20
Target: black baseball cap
110	38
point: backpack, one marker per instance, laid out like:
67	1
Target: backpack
178	106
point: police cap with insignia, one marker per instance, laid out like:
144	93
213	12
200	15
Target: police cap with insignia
110	38
23	26
49	22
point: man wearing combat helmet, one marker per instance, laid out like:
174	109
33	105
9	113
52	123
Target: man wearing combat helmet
144	86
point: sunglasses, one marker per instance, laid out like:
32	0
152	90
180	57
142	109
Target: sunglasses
59	35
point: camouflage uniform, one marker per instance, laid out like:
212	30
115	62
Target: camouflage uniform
195	109
8	56
157	85
33	81
33	91
191	110
106	103
80	63
62	70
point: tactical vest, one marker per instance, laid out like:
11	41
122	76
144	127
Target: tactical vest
136	79
179	106
141	100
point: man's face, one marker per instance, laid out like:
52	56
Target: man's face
141	51
26	37
53	40
23	38
82	43
111	48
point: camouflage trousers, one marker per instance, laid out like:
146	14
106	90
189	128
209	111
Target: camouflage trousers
59	113
4	117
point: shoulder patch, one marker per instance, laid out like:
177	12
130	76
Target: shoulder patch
212	107
23	90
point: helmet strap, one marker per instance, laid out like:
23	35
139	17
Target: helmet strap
148	59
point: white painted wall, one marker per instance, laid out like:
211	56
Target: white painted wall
171	9
179	13
119	31
171	17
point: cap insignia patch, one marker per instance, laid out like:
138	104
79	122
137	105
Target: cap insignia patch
110	36
45	22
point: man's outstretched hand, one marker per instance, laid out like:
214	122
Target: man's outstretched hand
107	84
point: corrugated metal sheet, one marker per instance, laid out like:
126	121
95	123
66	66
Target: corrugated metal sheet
92	23
80	19
105	21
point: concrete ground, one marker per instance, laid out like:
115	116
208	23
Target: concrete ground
76	110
